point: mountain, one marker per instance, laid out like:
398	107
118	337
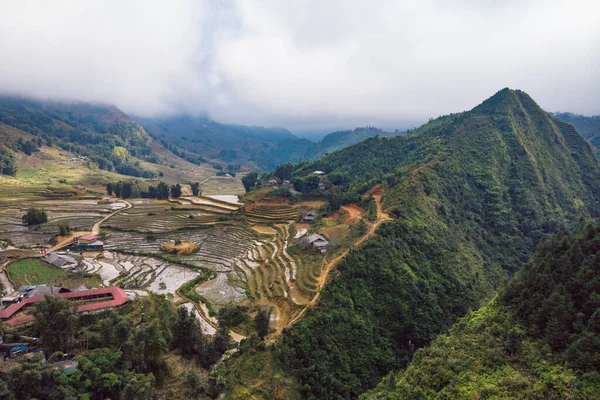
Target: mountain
588	127
250	147
470	196
52	143
540	338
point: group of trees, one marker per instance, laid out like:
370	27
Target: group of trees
129	189
540	338
35	216
124	350
249	181
8	164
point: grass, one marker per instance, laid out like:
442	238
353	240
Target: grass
34	271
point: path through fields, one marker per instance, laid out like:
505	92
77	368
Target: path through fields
381	217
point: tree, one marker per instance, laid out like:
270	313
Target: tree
249	181
261	323
284	171
176	191
512	342
126	190
334	198
117	188
162	191
194	383
55	323
146	346
138	386
232	315
186	333
63	228
109	189
35	216
196	189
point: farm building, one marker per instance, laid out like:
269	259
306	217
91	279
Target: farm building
61	260
310	216
316	241
88	301
89	242
319	173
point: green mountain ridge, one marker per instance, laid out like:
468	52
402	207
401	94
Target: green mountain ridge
539	339
471	195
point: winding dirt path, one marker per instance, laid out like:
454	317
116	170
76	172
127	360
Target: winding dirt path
95	229
381	218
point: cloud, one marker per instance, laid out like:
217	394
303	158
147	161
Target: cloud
303	63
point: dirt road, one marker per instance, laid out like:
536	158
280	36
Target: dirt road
381	217
66	241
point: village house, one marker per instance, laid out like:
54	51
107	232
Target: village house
316	242
61	260
89	242
84	302
310	216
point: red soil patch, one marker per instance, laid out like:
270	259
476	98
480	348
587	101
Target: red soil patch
354	213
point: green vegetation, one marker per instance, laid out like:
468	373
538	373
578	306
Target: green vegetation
539	339
249	181
8	164
588	127
35	216
102	134
123	351
471	196
176	191
196	188
34	271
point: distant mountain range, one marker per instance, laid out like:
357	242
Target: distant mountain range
250	147
588	127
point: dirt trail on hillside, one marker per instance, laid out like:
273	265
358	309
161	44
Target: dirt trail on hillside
381	217
95	229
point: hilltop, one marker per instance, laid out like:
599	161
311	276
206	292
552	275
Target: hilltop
470	196
539	338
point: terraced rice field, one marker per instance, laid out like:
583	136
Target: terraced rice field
79	214
138	272
161	216
269	214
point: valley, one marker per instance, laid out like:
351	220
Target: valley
373	250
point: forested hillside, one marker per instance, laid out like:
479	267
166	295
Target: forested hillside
471	195
251	147
539	339
100	132
588	127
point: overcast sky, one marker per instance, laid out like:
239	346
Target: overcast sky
303	64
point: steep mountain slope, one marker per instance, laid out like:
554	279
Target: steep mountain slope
588	127
539	339
248	146
101	133
471	195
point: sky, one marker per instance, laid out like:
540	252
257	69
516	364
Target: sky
306	65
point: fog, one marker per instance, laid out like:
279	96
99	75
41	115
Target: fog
305	65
